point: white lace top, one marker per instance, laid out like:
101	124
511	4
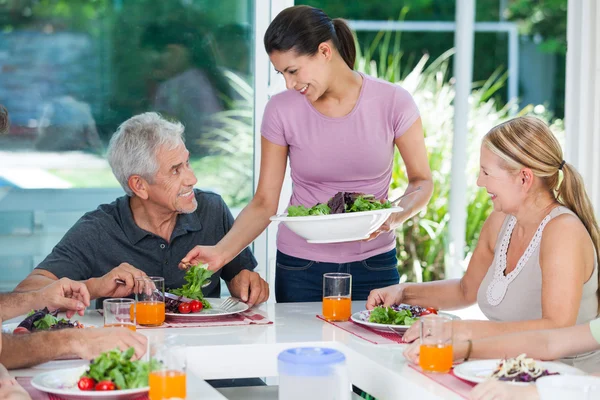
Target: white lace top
518	295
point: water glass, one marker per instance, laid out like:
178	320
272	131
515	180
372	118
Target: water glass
150	300
337	296
119	313
167	379
436	343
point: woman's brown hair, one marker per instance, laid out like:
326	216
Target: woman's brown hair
304	28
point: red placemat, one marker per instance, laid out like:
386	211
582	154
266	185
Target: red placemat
366	333
449	381
248	317
35	394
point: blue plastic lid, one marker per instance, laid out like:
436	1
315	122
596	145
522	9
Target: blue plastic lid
309	361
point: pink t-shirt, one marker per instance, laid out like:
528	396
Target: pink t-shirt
327	155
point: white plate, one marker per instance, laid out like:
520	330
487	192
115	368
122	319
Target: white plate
215	311
362	317
336	228
479	371
63	383
9	328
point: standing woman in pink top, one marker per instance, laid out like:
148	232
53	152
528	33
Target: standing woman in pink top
339	129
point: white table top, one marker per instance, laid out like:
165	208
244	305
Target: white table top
251	351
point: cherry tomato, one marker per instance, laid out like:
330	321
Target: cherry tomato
184	308
86	383
105	385
431	310
196	306
20	330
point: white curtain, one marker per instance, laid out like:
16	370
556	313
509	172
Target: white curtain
582	102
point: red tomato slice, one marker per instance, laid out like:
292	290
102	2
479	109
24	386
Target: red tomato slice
105	385
195	306
20	330
432	310
86	383
184	308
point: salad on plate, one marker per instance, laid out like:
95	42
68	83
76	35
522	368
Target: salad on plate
403	314
189	298
114	370
44	320
520	369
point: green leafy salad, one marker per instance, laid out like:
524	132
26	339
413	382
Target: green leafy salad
389	316
116	367
342	202
195	277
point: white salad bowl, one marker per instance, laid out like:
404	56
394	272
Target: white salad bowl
336	228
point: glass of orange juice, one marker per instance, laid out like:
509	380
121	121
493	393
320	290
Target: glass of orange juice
167	380
436	343
337	296
119	313
150	300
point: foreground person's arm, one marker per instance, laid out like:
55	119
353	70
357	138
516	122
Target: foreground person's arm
26	350
550	344
63	294
496	390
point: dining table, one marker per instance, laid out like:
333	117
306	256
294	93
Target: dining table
251	351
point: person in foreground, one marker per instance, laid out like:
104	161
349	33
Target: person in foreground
65	294
535	265
73	297
550	344
150	229
339	129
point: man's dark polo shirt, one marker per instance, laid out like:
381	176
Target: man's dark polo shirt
104	238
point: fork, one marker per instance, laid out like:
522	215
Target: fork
229	303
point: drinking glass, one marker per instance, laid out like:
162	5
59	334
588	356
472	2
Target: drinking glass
167	379
436	343
337	296
150	300
119	313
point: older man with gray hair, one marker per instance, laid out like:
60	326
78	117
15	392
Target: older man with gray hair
148	231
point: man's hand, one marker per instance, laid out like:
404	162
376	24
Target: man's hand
203	255
107	285
64	294
249	287
89	343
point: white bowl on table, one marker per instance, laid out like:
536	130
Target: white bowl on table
337	228
560	387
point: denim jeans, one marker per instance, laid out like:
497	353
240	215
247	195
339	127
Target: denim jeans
300	280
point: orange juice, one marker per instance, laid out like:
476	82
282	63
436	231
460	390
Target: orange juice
128	326
337	308
436	358
166	385
150	312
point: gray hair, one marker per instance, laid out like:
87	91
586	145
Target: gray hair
133	148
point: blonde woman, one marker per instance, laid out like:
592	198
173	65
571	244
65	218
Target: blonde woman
535	265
